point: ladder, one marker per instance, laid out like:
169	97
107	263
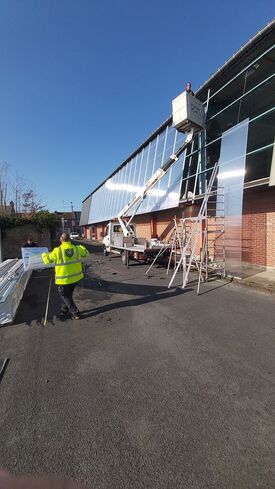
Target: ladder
177	241
192	241
174	242
212	261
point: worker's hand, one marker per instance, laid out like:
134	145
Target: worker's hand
8	481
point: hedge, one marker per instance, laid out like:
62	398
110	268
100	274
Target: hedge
42	220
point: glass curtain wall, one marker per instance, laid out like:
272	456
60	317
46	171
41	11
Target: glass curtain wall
118	191
248	95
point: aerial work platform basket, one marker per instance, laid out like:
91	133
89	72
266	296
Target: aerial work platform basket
188	113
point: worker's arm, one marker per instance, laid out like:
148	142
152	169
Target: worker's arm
49	257
83	252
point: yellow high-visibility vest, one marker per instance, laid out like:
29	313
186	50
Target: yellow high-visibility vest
68	264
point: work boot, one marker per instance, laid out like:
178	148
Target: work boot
64	312
76	315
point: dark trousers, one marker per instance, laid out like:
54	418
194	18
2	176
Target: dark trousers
66	293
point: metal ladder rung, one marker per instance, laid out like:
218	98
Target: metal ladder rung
215	230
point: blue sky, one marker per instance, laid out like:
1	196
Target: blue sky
84	82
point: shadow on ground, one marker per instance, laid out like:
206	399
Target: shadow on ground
88	293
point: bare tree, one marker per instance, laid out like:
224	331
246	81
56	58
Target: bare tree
16	195
31	203
18	188
4	187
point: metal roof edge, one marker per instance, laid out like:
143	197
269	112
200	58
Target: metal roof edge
260	34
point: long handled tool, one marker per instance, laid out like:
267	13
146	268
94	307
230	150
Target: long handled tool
3	366
48	300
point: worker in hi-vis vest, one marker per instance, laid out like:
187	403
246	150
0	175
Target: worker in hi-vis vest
68	271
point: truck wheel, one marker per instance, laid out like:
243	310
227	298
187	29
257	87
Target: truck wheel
124	257
105	252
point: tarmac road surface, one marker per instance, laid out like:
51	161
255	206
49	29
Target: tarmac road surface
152	388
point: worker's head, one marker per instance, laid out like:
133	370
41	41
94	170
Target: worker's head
64	238
29	239
188	87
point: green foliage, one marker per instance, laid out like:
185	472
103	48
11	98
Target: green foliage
41	219
45	219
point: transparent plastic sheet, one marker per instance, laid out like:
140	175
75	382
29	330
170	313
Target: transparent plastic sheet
230	185
32	258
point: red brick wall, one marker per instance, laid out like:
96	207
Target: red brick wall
259	227
100	231
87	232
143	226
14	238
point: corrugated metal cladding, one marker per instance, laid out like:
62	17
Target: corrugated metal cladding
85	211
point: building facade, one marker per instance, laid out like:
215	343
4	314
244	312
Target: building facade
68	222
239	134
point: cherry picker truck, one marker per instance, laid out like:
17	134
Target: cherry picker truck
188	117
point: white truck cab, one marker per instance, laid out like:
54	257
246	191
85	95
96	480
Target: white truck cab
114	236
129	247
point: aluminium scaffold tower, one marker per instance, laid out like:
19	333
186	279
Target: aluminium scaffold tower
208	224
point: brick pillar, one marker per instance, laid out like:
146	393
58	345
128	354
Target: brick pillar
153	225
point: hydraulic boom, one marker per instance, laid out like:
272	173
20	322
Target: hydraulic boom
155	178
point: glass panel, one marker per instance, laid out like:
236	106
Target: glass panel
111	195
255	103
213	153
144	166
144	177
159	159
125	186
226	96
103	202
174	184
169	143
150	168
139	167
256	73
258	101
261	131
121	179
260	70
162	188
152	197
112	184
175	173
191	163
258	164
231	179
221	123
132	184
180	140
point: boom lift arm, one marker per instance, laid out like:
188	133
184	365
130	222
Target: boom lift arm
188	116
155	178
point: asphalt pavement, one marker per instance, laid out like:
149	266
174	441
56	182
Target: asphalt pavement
152	388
